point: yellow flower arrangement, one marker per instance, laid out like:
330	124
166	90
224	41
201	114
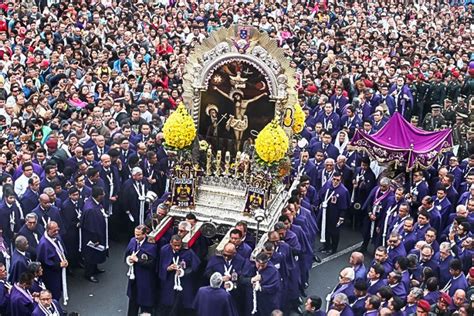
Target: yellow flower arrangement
179	130
271	144
298	119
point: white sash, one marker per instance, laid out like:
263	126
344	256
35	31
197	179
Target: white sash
79	213
106	218
323	219
177	276
140	189
111	193
46	311
60	252
131	269
24	292
385	223
256	287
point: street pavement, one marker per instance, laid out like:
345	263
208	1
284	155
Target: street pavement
109	296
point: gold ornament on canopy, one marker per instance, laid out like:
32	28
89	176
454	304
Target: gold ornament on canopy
179	130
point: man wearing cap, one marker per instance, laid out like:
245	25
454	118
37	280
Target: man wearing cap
437	91
448	111
263	282
133	197
434	120
214	299
423	308
441	307
460	130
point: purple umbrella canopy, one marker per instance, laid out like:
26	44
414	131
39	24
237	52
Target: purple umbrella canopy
399	142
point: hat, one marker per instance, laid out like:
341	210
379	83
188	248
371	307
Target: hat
30	60
438	75
424	305
445	298
64	123
435	106
44	63
52	144
410	77
136	170
421	76
312	88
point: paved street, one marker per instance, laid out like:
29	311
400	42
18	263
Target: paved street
109	296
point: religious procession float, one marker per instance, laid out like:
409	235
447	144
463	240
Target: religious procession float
228	142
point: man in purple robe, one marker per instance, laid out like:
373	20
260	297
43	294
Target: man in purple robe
133	196
94	222
33	232
458	279
47	212
176	267
403	97
140	256
345	285
395	248
29	200
375	207
214	300
334	201
11	216
5	287
20	259
47	305
374	278
340	303
51	254
263	282
21	302
71	211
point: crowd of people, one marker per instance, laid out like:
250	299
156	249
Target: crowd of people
86	86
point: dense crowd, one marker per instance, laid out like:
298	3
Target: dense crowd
86	86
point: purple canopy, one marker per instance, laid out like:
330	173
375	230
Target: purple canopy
400	142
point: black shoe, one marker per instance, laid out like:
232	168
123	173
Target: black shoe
81	265
97	271
321	249
92	279
300	300
306	285
326	251
316	259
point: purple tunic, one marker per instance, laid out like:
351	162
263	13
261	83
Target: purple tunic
214	301
93	229
56	307
191	262
144	269
50	261
20	305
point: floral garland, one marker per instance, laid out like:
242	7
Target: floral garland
272	143
298	119
179	130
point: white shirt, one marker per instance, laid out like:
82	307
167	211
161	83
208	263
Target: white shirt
21	184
